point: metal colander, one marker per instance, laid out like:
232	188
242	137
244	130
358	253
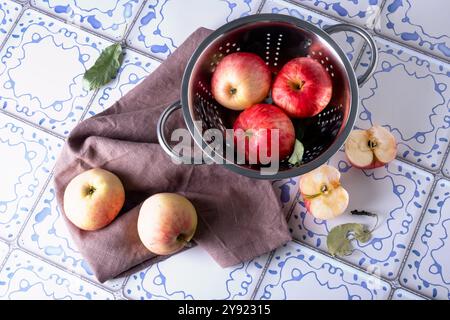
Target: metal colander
277	39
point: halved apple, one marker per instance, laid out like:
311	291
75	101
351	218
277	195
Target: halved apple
372	148
322	193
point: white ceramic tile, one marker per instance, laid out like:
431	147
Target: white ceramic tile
110	18
193	274
409	94
287	191
3	251
421	24
9	11
25	277
42	68
134	69
46	235
396	193
446	168
350	43
164	24
401	294
296	272
362	12
28	156
427	268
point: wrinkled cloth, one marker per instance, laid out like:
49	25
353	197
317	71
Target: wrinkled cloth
238	218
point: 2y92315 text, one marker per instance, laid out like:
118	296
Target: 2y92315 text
225	310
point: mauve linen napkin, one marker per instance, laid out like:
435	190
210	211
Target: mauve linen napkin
239	218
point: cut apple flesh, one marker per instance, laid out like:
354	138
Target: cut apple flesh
370	148
323	194
385	148
329	205
358	148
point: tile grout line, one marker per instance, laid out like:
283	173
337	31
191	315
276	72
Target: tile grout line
261	6
13	26
272	253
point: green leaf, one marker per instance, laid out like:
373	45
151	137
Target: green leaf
105	67
338	241
297	155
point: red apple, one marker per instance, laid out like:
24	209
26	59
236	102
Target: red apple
322	193
241	80
166	223
93	199
256	124
369	149
302	88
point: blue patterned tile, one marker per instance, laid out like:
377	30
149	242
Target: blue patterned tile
164	24
422	24
396	193
296	272
3	251
25	277
193	274
401	294
350	43
134	69
409	94
427	268
109	18
46	235
9	11
28	156
31	82
362	12
287	191
446	168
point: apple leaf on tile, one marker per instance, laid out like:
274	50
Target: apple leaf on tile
297	155
105	67
338	241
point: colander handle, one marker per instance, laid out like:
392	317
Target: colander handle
161	136
367	38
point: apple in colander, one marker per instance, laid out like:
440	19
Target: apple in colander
241	80
302	88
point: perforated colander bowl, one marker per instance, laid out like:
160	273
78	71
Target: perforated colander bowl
277	39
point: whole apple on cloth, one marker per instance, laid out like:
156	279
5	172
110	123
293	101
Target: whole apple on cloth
238	218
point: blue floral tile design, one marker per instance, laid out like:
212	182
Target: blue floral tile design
46	235
296	272
427	268
193	274
28	156
422	24
110	18
422	89
31	82
401	294
396	193
163	24
9	11
3	251
134	69
362	12
26	277
350	43
287	191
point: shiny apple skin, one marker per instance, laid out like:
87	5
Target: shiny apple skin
302	88
257	122
247	74
166	223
